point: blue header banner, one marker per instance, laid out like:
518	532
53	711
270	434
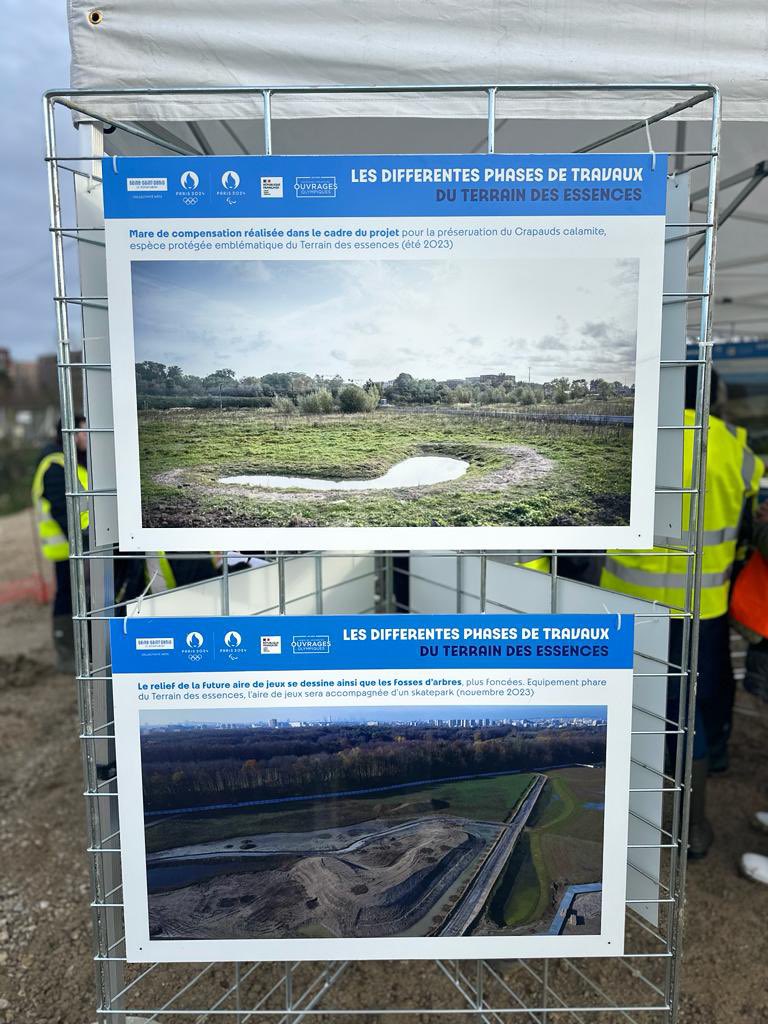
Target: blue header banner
512	185
303	643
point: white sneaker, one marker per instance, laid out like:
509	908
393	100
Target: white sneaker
755	866
760	820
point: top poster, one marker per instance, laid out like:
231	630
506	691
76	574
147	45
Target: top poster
396	352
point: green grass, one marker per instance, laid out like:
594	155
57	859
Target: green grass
588	485
563	840
491	799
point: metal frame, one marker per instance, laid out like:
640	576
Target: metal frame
644	984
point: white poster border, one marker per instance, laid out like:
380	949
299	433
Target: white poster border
140	947
647	235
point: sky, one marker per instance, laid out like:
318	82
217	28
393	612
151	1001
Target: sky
377	318
371	714
35	57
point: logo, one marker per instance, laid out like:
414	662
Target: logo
230	188
146	184
271	645
194	640
271	188
233	639
189	180
320	187
154	643
313	644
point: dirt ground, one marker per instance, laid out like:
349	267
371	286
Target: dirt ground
46	974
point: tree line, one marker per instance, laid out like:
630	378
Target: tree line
185	767
159	386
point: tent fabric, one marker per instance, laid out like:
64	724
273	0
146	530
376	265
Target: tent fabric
202	43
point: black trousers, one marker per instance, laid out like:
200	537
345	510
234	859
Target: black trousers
62	599
716	686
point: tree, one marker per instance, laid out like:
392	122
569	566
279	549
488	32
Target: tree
354	399
219	378
318	403
283	405
561	390
527	397
277	383
175	377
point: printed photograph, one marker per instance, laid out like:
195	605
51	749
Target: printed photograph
392	821
385	393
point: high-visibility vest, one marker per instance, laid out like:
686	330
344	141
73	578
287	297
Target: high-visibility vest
541	564
160	574
733	475
53	540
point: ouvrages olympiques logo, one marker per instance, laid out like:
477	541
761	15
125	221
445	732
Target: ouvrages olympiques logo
315	643
315	187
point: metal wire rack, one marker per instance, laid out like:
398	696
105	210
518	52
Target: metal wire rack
642	985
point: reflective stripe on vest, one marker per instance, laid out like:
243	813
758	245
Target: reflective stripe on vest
53	540
733	475
160	573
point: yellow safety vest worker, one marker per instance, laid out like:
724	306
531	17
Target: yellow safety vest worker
53	540
733	476
161	576
540	564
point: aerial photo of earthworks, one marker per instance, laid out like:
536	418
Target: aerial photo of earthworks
405	822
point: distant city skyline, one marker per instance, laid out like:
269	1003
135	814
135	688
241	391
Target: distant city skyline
383	714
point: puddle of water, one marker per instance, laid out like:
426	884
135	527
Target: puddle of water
415	472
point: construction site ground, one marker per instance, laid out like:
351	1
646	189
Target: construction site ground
46	972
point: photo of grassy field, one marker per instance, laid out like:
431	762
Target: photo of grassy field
484	821
385	393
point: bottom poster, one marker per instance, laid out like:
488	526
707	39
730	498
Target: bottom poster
373	786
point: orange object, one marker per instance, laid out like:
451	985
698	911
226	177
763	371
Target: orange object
749	595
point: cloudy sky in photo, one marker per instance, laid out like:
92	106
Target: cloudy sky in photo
378	318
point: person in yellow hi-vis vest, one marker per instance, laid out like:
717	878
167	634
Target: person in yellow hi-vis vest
733	474
50	503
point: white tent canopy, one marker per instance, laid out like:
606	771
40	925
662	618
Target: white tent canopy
247	43
386	42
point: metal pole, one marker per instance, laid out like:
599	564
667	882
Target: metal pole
691	627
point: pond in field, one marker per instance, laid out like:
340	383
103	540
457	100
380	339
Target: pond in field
415	472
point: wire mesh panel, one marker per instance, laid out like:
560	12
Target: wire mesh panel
641	985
